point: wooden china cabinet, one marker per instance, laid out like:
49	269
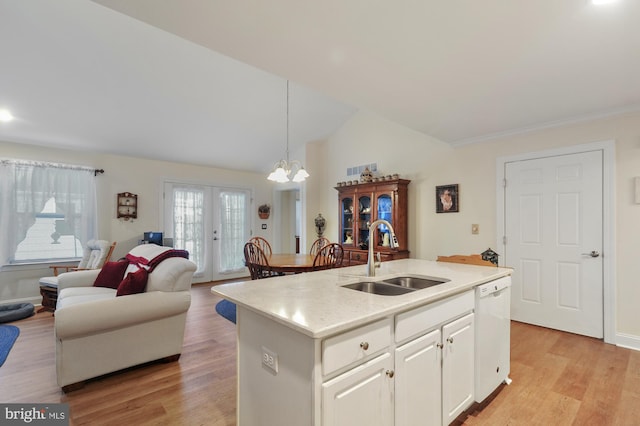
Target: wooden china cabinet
361	204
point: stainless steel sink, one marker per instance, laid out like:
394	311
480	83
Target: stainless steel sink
378	287
396	285
415	282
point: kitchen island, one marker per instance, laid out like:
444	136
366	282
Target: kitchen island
312	352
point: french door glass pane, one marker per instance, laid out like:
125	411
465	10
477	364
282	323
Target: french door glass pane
188	223
233	229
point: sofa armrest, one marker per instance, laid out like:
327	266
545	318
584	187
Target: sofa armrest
77	279
100	316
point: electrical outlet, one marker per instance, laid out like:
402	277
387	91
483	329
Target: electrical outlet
475	229
270	359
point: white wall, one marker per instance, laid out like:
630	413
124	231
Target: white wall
124	174
367	138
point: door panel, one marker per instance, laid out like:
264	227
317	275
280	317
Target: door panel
419	382
553	217
361	396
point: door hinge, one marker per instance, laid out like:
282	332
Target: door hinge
504	183
504	240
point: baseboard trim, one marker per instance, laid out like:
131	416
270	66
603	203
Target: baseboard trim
628	341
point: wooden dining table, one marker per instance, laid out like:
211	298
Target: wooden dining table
287	263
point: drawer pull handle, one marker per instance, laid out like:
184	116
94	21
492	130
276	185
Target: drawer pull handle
364	345
390	373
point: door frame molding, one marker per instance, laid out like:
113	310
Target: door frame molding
608	217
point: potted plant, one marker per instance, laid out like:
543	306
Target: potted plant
264	210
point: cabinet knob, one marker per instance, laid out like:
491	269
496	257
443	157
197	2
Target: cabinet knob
439	345
364	345
450	339
390	373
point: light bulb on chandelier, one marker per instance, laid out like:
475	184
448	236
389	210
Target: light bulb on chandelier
283	169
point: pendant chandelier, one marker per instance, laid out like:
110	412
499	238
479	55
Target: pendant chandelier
283	170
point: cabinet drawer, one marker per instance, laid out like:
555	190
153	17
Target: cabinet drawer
420	320
352	346
357	258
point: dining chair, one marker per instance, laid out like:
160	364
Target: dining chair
329	256
263	244
318	244
257	262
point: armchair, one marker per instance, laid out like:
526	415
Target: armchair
97	332
96	253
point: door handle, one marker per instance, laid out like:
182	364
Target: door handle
594	253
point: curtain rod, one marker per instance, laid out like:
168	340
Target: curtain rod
33	163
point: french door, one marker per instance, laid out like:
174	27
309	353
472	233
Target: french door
212	223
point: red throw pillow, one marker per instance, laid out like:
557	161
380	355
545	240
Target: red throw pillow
111	274
133	283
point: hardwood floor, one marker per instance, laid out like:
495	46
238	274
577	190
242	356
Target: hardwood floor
558	379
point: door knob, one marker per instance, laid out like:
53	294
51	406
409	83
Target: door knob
594	253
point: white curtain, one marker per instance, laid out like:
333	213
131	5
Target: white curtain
28	185
233	223
188	223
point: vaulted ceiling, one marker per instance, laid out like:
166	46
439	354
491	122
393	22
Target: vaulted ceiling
204	81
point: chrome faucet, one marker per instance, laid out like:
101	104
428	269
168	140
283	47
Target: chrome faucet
393	243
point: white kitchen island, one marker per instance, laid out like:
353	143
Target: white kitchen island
311	352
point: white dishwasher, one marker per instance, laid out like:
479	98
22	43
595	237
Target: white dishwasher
493	336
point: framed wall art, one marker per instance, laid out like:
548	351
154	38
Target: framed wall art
447	199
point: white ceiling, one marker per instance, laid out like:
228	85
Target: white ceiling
79	75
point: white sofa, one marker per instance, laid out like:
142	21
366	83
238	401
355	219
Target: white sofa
98	333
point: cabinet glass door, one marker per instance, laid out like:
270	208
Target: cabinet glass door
347	221
385	212
364	220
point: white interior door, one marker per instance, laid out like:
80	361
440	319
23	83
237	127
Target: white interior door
213	224
554	237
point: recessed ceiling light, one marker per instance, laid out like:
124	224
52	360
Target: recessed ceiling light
5	115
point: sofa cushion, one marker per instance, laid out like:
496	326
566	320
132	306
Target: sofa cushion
111	274
133	283
78	295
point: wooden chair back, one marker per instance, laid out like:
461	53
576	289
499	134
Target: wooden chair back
318	244
263	244
329	256
256	261
473	259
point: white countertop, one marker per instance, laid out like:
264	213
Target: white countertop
315	304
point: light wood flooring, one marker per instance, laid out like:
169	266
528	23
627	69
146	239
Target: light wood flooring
558	379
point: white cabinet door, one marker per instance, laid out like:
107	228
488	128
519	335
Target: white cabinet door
361	396
418	382
457	367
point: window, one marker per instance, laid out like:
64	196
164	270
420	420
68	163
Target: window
50	237
47	211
